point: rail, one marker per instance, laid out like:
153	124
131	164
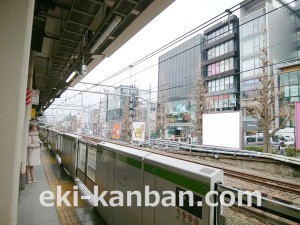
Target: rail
277	208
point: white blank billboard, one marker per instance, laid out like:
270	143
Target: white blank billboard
223	129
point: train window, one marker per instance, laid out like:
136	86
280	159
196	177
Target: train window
91	169
82	157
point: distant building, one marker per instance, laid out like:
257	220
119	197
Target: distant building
114	102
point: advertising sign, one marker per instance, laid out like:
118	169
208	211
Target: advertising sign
181	108
223	129
297	125
32	113
35	97
138	131
116	131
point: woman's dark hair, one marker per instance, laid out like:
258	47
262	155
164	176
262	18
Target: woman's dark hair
33	125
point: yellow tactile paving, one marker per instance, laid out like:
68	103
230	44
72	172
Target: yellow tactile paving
65	213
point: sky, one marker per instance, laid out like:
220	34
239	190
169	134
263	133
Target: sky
180	17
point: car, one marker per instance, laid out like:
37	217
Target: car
289	141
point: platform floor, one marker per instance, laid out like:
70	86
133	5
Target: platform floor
31	212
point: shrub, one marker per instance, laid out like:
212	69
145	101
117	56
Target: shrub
254	148
290	151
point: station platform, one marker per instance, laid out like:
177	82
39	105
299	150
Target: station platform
32	212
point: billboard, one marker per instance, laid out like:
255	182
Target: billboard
297	129
116	131
138	131
223	129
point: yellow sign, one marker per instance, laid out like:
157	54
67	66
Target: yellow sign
32	113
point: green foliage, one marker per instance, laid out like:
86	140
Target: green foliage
290	151
254	148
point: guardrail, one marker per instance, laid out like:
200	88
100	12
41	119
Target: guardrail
166	144
175	145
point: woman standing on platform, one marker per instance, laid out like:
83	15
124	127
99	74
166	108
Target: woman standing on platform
33	152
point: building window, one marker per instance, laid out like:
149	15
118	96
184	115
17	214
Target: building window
219	34
226	64
209	70
213	52
231	65
221	49
221	84
209	54
213	69
227	85
217	50
252	24
231	81
217	85
213	86
221	66
217	67
222	101
290	86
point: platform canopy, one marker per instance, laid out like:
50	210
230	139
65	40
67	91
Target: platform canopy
70	33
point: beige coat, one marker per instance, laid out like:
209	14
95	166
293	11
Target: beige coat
33	149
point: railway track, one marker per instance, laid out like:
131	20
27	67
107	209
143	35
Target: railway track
263	181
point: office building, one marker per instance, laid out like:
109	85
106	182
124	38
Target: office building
221	65
269	25
177	72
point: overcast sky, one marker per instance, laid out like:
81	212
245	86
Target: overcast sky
179	18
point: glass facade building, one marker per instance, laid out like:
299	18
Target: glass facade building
221	65
290	86
265	24
177	72
178	68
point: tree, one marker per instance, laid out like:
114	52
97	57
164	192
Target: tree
161	111
261	105
200	103
138	112
99	122
126	122
75	123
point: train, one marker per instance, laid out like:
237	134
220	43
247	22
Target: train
111	166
